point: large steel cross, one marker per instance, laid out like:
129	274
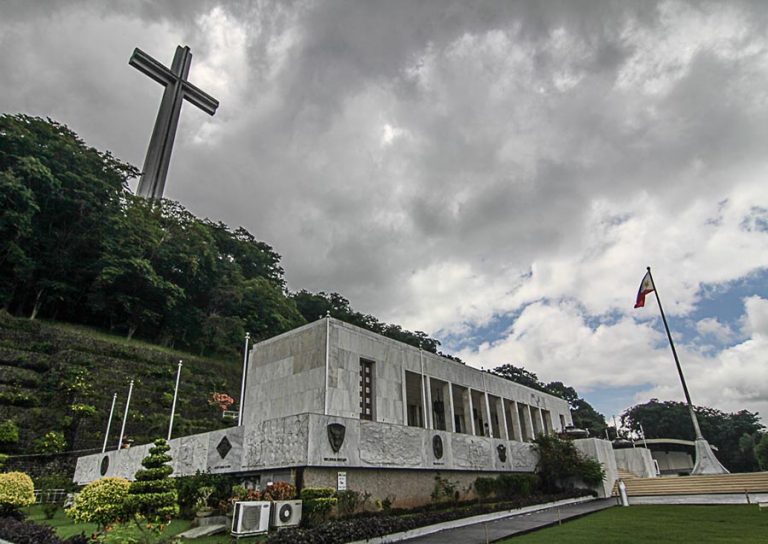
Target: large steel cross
177	89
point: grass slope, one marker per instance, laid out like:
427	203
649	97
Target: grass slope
40	361
679	524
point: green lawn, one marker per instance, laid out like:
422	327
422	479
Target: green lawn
679	524
65	528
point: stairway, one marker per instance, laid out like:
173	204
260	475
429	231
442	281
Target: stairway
710	484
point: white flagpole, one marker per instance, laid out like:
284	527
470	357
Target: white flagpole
125	416
175	394
109	423
242	385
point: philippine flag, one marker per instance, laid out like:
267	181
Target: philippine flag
646	286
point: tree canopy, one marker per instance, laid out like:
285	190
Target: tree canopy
734	434
77	246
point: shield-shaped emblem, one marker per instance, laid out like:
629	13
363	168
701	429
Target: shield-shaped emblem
336	432
502	450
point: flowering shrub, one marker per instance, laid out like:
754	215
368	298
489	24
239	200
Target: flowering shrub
16	491
101	502
241	493
279	491
222	400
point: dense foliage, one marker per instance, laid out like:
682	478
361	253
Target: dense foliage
75	245
101	502
761	452
507	486
26	532
560	464
218	490
584	415
317	504
735	435
16	491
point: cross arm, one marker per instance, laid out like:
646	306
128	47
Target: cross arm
150	67
200	98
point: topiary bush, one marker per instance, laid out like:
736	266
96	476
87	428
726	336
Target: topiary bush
101	502
16	491
152	497
317	504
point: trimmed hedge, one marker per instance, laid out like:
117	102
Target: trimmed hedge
16	491
374	525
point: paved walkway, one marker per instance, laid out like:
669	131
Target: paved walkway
491	531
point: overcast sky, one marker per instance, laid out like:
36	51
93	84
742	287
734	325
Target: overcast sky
496	174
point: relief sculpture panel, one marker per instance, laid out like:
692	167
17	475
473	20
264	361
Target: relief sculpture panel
390	445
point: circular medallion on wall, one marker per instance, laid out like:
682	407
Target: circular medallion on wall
104	465
437	446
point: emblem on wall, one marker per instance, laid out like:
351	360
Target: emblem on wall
437	446
224	446
336	432
104	465
501	449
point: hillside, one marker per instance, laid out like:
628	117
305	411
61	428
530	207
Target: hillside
57	377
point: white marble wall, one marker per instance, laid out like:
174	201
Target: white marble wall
638	461
286	375
602	451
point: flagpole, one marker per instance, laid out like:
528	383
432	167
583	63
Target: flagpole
175	395
125	417
695	420
109	423
242	384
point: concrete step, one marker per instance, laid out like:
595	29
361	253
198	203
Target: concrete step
204	530
754	482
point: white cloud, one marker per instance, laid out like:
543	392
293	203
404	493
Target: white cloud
524	158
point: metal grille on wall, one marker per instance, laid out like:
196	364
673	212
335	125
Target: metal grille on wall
366	389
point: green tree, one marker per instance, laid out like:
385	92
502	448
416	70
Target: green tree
73	189
761	452
670	419
152	498
560	462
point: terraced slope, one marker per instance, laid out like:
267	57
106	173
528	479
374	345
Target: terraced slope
56	377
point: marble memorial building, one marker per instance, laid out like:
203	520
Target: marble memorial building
330	402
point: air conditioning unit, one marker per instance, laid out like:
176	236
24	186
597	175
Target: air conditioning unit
286	513
250	518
